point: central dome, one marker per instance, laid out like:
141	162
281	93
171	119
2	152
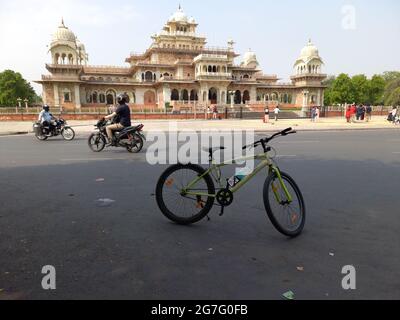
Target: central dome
179	16
310	50
64	34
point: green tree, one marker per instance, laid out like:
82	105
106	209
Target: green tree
376	90
389	76
14	86
392	92
342	90
360	88
328	91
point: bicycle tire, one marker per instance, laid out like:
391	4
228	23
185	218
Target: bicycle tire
287	179
199	171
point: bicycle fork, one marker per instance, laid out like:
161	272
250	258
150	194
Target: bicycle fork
275	187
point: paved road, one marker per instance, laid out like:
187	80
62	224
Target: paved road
48	216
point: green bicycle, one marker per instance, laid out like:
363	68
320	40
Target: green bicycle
186	193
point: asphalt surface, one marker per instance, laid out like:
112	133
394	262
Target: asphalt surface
128	250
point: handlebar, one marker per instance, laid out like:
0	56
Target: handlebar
265	141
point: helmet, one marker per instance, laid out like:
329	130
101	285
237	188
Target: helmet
46	108
123	98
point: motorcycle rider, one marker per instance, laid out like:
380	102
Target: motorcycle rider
123	114
46	119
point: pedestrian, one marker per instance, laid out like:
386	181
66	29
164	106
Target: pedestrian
392	115
276	112
368	111
362	113
353	111
313	114
348	114
208	113
266	115
215	112
317	114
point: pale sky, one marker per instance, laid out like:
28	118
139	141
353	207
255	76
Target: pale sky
353	36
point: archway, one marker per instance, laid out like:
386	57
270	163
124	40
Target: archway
149	97
193	95
110	97
213	95
185	95
102	98
246	96
174	95
238	97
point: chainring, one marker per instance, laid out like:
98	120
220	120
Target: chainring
225	197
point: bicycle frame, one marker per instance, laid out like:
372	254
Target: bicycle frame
265	163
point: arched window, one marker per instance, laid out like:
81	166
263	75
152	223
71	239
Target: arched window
88	98
94	97
70	59
142	76
67	96
154	77
185	95
290	98
102	98
214	69
110	97
148	76
246	76
238	97
246	96
193	95
285	98
174	95
57	58
209	69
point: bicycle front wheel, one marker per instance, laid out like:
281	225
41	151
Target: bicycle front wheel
180	204
287	217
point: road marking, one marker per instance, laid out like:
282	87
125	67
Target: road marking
286	156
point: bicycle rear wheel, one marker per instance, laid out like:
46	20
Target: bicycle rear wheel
288	218
175	204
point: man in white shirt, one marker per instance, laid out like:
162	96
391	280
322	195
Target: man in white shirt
276	112
45	117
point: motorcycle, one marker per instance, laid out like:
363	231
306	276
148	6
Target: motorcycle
45	131
131	138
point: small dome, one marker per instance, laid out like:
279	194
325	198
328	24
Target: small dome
309	51
179	16
64	34
191	20
250	57
80	45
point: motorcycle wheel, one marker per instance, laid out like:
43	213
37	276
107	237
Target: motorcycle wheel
136	145
41	137
96	142
68	133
